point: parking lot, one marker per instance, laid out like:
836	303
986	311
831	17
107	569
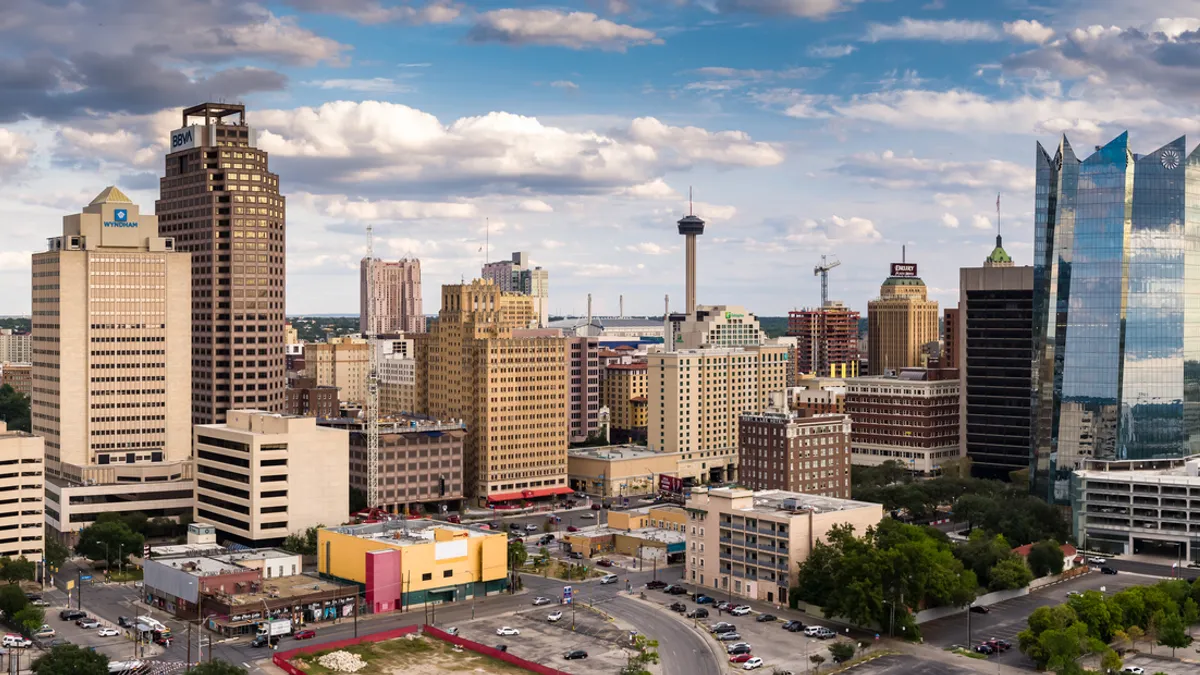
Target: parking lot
117	648
546	642
1006	619
906	664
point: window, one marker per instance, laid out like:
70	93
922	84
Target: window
428	576
446	574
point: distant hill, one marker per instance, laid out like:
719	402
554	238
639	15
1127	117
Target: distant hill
773	326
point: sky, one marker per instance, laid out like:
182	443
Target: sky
465	130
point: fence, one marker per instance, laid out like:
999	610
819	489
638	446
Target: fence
282	659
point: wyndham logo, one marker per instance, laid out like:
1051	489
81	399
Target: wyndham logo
120	215
120	219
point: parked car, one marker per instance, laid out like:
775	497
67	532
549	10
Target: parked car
793	626
725	605
998	645
740	658
554	616
656	584
124	622
752	664
819	632
33	596
604	562
675	589
721	627
546	539
575	654
108	632
572	528
452	630
608	579
264	640
984	649
71	614
763	618
307	634
979	609
678	607
539	601
1097	560
575	555
704	600
39	603
514	526
728	637
739	648
1108	570
595	507
88	622
1136	670
698	613
44	633
530	527
16	640
740	610
506	630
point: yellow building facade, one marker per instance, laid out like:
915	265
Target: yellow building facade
900	323
623	392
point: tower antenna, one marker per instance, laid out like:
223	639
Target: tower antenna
690	212
997	214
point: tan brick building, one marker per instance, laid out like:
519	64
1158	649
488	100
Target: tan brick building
396	306
900	323
22	478
509	385
697	395
342	362
623	392
111	366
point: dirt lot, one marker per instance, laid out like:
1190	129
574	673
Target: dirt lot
419	656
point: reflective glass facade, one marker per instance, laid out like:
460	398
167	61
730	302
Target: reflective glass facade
1116	323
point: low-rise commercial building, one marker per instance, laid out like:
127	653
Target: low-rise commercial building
750	544
782	450
420	462
911	418
22	457
1138	507
406	563
617	471
261	476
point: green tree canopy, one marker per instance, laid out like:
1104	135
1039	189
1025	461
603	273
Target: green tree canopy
1011	572
302	543
14	408
109	541
1045	557
71	660
56	551
18	569
30	618
1172	633
842	651
12	599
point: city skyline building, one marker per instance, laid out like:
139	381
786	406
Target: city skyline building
911	418
782	450
221	203
902	323
397	306
1116	308
517	276
15	347
827	343
111	373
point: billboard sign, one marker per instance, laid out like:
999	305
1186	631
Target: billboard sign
185	138
672	484
904	269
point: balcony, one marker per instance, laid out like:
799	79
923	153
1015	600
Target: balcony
738	557
726	540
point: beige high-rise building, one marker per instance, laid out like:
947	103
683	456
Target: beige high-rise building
397	385
623	392
15	347
221	202
516	276
697	395
342	362
509	386
900	322
719	326
261	476
396	306
112	368
21	490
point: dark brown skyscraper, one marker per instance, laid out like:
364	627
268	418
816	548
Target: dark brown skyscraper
222	204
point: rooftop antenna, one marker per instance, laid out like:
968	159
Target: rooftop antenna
903	253
997	218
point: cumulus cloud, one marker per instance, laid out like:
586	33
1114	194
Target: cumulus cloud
15	150
375	12
896	172
981	222
341	206
695	144
949	220
952	30
1029	31
655	189
831	51
576	30
535	206
835	230
649	248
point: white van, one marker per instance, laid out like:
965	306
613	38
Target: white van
609	578
15	640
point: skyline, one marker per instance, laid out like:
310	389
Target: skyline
850	129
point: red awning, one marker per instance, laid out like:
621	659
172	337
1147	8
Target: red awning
530	494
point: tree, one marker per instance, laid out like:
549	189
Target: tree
12	600
56	552
1093	610
645	653
20	569
1110	662
302	543
517	553
817	660
1135	633
216	667
959	467
1045	558
1153	626
1011	572
30	619
841	651
14	408
1172	633
71	659
108	541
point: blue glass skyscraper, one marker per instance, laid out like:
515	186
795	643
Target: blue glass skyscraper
1116	310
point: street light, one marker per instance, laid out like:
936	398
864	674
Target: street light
471	574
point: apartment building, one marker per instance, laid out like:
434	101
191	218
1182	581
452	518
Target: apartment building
750	544
911	418
901	323
394	305
112	366
696	397
261	476
782	450
341	362
397	385
583	412
623	392
22	485
509	386
15	347
420	462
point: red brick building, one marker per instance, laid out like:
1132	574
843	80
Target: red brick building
828	344
304	397
787	451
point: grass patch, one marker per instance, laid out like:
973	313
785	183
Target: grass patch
966	652
131	574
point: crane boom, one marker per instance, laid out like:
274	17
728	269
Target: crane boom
372	380
820	336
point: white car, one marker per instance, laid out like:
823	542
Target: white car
108	632
554	616
811	631
16	640
506	630
452	630
740	610
1136	670
39	603
1097	560
752	664
539	601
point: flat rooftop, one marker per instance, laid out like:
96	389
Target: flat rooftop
780	501
408	532
209	560
655	534
297	585
614	452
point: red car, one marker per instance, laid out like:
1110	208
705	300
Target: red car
740	658
595	506
305	634
604	562
572	528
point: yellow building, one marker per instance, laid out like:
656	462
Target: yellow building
411	563
900	322
671	518
508	384
342	362
697	395
623	392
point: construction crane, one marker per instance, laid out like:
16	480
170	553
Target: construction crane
372	380
821	343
